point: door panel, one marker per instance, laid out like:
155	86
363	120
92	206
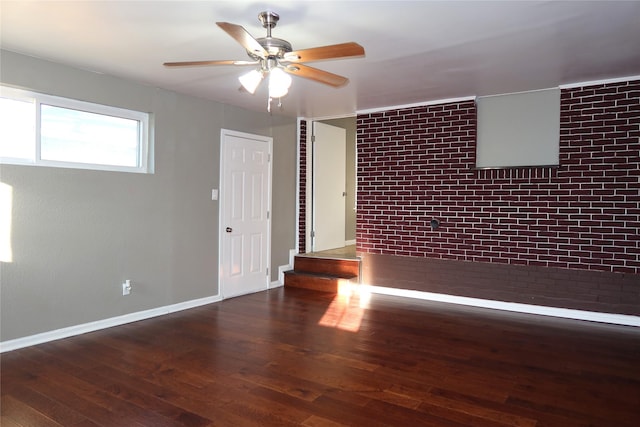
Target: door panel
329	185
255	265
245	201
236	197
236	250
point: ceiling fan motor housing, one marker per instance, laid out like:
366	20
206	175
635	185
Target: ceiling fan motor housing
276	48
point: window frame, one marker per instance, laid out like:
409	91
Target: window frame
144	139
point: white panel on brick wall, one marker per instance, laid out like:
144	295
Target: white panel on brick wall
519	129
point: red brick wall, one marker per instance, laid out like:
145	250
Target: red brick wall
564	237
302	188
415	164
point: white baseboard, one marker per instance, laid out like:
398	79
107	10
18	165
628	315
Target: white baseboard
567	313
350	242
283	268
103	324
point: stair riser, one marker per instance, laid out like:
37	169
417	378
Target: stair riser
335	267
315	283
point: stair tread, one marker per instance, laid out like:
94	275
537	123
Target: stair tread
321	275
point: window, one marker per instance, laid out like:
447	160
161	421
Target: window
44	130
519	129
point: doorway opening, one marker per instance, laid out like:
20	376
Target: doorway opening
322	168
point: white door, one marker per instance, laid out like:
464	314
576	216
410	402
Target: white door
245	202
329	186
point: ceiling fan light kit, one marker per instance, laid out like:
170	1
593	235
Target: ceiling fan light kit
251	80
276	59
279	83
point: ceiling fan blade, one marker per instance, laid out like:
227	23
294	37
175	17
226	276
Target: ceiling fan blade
198	63
244	38
343	50
316	74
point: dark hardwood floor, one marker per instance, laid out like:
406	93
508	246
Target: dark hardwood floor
299	357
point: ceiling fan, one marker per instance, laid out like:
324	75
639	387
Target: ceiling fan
275	58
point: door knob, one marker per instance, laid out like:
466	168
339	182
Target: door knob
229	229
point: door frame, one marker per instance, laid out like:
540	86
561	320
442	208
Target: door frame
222	199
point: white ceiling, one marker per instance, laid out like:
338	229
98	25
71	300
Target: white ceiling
416	51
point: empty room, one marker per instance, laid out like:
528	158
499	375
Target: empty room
319	213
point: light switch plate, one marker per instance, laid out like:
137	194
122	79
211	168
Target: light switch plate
214	194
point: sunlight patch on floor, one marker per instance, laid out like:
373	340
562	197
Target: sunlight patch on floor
347	308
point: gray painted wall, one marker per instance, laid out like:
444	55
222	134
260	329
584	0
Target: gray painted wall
77	234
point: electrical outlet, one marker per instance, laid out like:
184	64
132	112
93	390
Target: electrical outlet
126	287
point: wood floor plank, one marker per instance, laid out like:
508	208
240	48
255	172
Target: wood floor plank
480	411
282	383
128	389
62	414
23	414
7	421
316	421
274	358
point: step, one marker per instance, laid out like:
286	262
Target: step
330	266
317	282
